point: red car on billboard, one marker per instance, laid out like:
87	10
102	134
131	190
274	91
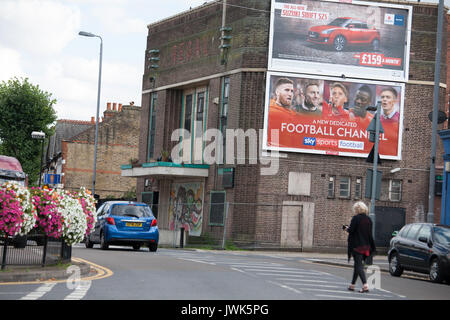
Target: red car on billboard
344	31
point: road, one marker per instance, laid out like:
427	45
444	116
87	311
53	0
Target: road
175	274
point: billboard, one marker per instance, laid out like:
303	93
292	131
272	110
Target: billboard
354	39
326	115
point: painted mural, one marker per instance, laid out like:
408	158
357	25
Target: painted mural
186	207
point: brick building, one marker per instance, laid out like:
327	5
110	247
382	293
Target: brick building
196	77
118	134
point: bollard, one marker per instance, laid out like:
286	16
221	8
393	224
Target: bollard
5	250
44	253
181	237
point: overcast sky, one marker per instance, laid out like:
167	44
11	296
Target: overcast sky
39	40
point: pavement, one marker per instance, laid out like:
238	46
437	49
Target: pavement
15	273
86	269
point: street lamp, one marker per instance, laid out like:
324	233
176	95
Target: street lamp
88	34
437	76
39	135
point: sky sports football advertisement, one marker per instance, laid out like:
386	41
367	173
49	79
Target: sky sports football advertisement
325	115
352	38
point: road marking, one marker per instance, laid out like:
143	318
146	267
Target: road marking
284	286
345	292
314	274
101	272
80	291
281	268
315	285
39	292
311	280
199	261
343	297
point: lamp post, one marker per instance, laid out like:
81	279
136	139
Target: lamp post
437	76
39	135
375	128
88	34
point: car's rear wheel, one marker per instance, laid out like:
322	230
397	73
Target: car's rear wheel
88	243
435	271
339	43
153	246
395	269
103	244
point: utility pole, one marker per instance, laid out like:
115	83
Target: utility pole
375	128
437	78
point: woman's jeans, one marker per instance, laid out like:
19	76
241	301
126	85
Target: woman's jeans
358	268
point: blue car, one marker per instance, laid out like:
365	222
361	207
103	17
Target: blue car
124	223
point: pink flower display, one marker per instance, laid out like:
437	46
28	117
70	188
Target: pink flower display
56	213
49	219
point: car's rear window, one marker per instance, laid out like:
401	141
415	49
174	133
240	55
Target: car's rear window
442	235
127	210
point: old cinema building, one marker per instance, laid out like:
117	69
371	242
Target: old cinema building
221	67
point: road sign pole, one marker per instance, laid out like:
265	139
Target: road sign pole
375	167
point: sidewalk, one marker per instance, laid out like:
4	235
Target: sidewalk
37	273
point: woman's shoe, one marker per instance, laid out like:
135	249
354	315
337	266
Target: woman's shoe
364	289
351	287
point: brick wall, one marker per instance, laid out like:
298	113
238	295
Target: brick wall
256	213
118	137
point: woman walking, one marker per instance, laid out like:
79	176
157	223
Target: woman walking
360	243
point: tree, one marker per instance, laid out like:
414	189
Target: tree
24	108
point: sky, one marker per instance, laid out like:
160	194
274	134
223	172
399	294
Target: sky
39	40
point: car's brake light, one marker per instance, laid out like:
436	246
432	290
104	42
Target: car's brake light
110	220
154	223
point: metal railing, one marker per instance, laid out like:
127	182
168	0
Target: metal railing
33	249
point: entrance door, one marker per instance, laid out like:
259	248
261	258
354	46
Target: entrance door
291	225
387	220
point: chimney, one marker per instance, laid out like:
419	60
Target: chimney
108	113
114	106
120	107
93	120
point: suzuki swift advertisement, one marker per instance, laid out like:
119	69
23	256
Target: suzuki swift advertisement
340	38
326	115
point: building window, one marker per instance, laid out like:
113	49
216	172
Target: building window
193	120
152	126
331	181
217	209
224	113
344	187
395	190
358	188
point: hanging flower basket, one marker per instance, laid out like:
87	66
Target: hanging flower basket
54	213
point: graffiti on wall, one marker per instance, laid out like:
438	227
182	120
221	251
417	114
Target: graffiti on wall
186	207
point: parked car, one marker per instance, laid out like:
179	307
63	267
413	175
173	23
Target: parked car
124	223
344	31
421	247
11	170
